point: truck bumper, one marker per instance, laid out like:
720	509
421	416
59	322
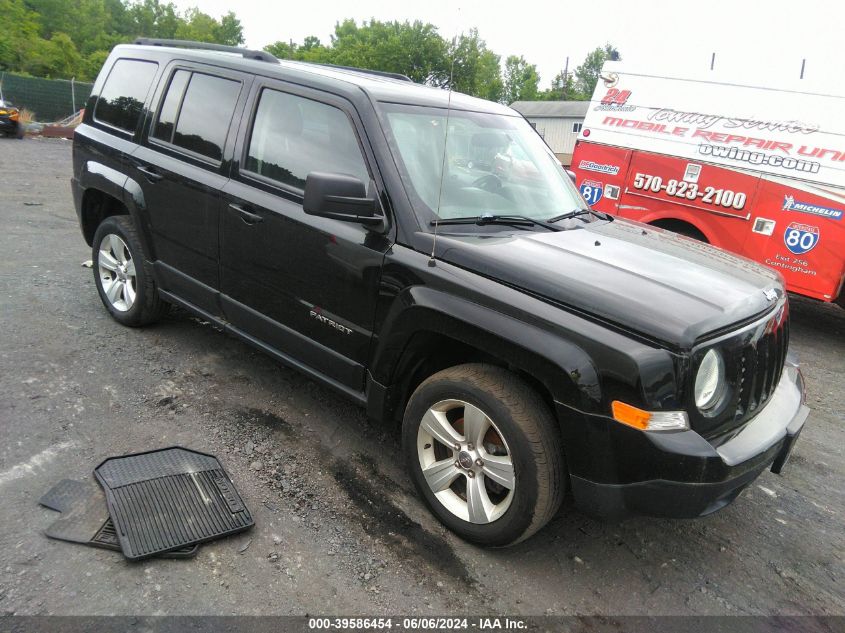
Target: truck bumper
681	475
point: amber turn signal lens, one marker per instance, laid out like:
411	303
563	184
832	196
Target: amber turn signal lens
649	420
630	415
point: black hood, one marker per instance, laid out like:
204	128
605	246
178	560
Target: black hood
662	285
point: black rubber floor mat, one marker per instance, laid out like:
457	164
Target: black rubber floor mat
66	494
85	518
165	499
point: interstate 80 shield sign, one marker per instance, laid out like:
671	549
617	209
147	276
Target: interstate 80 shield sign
801	238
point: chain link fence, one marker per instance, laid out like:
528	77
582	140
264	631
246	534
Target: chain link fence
48	99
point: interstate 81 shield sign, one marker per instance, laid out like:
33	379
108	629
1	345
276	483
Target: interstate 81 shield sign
592	191
801	238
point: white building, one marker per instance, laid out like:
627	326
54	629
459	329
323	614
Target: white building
558	122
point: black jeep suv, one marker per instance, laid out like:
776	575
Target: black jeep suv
424	254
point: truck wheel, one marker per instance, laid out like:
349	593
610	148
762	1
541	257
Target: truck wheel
682	228
485	453
123	276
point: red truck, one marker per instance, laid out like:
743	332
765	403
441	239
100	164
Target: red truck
756	170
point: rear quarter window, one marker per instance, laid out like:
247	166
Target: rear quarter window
122	99
196	112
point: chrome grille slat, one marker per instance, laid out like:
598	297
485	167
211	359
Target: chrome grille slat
768	364
774	354
760	365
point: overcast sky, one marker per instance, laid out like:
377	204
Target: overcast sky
755	38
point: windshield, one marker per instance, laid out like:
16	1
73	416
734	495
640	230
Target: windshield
494	164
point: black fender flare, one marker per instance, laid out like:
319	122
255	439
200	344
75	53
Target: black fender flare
564	368
133	196
103	178
100	177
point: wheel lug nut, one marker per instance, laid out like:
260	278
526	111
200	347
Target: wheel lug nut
479	462
457	464
470	474
470	447
457	447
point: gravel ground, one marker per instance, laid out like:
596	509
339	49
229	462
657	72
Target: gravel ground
338	527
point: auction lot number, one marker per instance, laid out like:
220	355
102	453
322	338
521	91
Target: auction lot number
432	623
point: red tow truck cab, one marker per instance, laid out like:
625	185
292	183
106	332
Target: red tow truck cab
755	170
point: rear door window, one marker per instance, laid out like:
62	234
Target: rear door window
292	136
170	107
196	112
122	99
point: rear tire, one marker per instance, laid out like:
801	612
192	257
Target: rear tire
485	453
122	274
681	228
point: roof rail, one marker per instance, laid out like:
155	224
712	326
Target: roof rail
247	53
367	71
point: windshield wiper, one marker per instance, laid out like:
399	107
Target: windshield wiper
489	218
578	213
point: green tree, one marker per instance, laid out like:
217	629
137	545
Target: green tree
310	43
474	68
283	50
55	58
151	18
197	26
562	89
94	28
91	65
414	49
587	74
54	16
520	81
229	30
18	35
311	50
411	48
72	38
489	84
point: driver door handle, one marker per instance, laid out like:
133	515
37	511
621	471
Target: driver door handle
246	216
149	173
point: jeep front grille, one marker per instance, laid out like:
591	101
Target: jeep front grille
760	366
754	357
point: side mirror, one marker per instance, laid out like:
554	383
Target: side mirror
340	197
571	174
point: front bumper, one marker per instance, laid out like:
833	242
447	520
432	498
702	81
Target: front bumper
617	471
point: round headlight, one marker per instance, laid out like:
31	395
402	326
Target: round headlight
709	381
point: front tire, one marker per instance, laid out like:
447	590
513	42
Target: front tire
485	453
123	276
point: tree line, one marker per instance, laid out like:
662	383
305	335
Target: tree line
465	63
72	38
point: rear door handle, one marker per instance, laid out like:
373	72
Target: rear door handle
246	216
151	174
